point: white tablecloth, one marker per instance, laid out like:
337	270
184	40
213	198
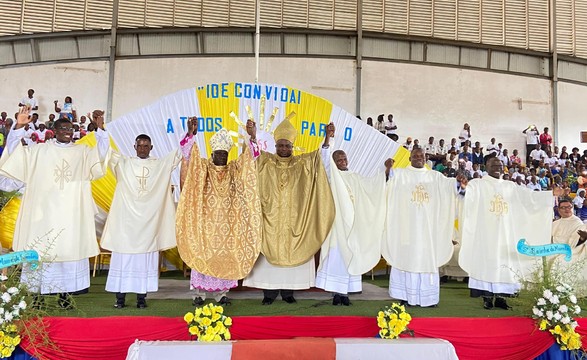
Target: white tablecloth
346	349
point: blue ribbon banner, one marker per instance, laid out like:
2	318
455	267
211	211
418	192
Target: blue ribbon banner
544	250
18	257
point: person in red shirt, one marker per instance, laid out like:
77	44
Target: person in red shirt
545	140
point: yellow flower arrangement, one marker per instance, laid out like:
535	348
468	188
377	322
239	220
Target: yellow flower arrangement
12	309
393	321
209	323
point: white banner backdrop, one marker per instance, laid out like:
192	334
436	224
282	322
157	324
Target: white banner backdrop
164	121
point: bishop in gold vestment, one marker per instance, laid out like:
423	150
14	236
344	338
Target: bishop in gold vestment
298	211
218	222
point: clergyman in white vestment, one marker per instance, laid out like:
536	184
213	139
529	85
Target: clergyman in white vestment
141	221
498	213
56	217
569	229
353	245
419	230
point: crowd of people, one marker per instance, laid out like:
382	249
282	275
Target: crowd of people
39	131
544	165
263	217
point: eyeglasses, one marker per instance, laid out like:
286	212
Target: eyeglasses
565	207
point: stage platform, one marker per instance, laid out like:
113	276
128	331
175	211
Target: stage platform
98	331
299	348
512	338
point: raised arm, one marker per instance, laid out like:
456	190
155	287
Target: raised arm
102	138
16	135
325	152
252	132
187	142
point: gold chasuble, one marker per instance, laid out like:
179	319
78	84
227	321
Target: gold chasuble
298	208
218	221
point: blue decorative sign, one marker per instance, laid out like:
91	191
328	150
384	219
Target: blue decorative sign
18	257
544	250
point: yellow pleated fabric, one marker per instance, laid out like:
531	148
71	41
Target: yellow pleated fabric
8	221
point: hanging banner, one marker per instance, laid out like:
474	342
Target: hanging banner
165	122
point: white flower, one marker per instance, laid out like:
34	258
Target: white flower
573	299
566	320
540	313
554	299
541	301
535	310
567	286
577	309
15	313
22	304
8	316
1	320
558	316
12	290
574	324
560	288
547	294
563	308
6	297
549	315
3	277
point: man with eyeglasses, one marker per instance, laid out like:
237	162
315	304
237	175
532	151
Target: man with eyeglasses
56	216
569	229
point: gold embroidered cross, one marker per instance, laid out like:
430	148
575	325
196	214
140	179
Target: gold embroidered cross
143	180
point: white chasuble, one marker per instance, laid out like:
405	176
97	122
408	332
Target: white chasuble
58	199
142	214
498	213
564	231
420	220
358	221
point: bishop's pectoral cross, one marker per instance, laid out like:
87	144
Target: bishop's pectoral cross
143	180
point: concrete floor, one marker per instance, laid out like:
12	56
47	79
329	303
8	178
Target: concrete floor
179	289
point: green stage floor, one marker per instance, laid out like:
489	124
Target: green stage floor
454	302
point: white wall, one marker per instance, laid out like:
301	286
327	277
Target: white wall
437	101
425	100
572	114
85	82
139	82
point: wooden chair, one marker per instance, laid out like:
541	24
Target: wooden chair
380	265
99	260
